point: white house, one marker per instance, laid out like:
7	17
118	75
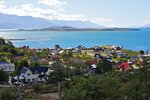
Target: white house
34	74
7	67
27	75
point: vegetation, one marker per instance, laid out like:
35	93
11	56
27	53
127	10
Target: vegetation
3	77
83	56
105	83
114	85
20	64
103	66
131	53
8	94
42	88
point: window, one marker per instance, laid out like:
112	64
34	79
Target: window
28	80
28	74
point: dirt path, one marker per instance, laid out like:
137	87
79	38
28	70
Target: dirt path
50	96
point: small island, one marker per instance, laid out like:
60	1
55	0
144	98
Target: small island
67	28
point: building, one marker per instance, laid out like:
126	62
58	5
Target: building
125	66
34	74
7	67
27	75
92	68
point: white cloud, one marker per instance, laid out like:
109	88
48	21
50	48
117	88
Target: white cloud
2	5
52	3
54	11
61	16
32	10
27	9
101	21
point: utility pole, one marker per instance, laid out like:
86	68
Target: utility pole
18	89
59	90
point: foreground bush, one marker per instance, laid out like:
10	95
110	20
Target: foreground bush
42	88
8	94
131	85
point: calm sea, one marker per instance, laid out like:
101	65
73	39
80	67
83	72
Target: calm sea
135	40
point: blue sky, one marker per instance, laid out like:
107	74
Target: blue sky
110	13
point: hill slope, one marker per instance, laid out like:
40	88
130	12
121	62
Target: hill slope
18	22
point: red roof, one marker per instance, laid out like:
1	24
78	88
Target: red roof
124	66
92	62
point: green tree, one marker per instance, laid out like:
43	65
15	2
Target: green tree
114	85
2	41
22	63
103	66
58	74
3	76
34	64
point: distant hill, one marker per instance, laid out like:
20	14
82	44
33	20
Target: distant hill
17	22
28	22
77	24
68	28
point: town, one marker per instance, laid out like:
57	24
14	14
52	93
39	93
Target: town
48	70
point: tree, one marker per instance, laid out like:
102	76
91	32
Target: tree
142	52
66	55
3	76
22	63
114	85
103	66
58	74
2	41
34	64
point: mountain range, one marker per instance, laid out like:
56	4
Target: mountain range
29	22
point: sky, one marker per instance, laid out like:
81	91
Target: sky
108	13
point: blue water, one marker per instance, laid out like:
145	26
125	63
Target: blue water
135	40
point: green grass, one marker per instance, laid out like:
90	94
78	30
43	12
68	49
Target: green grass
131	53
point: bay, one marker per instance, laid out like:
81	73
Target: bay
134	40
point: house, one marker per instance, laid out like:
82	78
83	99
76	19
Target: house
33	75
121	54
125	66
116	48
27	75
92	68
97	48
42	72
26	47
7	67
98	56
57	47
81	47
55	57
134	58
78	49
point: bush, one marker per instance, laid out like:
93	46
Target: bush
113	85
8	94
43	88
3	76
